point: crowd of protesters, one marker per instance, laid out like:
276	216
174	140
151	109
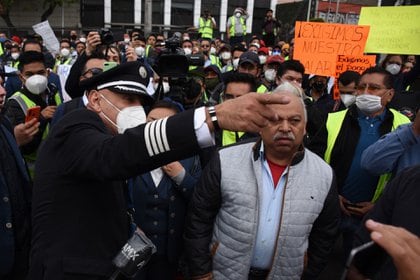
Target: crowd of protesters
245	167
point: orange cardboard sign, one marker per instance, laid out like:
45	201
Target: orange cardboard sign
317	44
354	63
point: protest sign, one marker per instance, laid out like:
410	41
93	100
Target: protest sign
393	30
354	63
318	44
50	40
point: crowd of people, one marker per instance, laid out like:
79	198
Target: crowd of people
240	167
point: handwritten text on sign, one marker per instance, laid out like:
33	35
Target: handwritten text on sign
392	29
318	44
354	63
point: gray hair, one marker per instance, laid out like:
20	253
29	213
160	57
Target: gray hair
287	87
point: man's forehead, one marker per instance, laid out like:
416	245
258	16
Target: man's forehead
375	78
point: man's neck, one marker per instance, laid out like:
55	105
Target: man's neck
276	158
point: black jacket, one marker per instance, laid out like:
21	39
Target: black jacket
79	206
346	143
398	206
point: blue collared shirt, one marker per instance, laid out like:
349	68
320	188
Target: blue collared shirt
269	214
360	185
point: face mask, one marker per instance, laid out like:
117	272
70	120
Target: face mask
212	50
238	15
276	52
368	103
225	55
319	86
36	84
235	63
166	87
83	39
65	52
257	45
348	99
270	75
139	51
128	117
393	68
126	40
262	58
15	55
187	51
211	83
73	37
186	38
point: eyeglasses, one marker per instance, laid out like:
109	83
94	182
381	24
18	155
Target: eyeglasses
370	88
93	71
205	46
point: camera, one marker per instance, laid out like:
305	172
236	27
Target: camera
107	37
174	64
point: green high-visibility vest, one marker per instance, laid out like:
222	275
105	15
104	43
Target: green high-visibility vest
230	137
25	103
205	28
232	26
262	89
334	123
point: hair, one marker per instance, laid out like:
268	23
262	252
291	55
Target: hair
205	39
104	48
31	41
388	77
297	91
245	78
136	30
388	57
349	77
168	104
293	65
152	35
30	57
94	55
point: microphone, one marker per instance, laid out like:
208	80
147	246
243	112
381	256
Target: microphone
133	256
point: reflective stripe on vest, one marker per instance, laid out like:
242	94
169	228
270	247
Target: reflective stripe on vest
230	137
233	23
1	49
334	123
147	52
205	28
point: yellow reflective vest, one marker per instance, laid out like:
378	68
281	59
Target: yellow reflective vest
205	28
25	103
334	123
233	23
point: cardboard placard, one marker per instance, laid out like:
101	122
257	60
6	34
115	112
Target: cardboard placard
317	44
393	30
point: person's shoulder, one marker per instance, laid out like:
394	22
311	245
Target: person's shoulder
81	116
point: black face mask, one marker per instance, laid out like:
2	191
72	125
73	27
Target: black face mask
319	86
73	37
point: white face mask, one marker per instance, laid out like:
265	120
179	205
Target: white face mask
126	40
83	39
348	99
187	51
36	84
139	51
368	103
213	50
238	15
393	68
65	52
166	87
15	55
235	63
263	59
225	55
186	38
270	75
127	118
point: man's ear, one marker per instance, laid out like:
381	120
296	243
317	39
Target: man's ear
390	95
93	97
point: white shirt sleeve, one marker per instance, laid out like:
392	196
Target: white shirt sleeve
204	137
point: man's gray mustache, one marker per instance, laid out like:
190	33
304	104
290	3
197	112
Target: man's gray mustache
282	135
